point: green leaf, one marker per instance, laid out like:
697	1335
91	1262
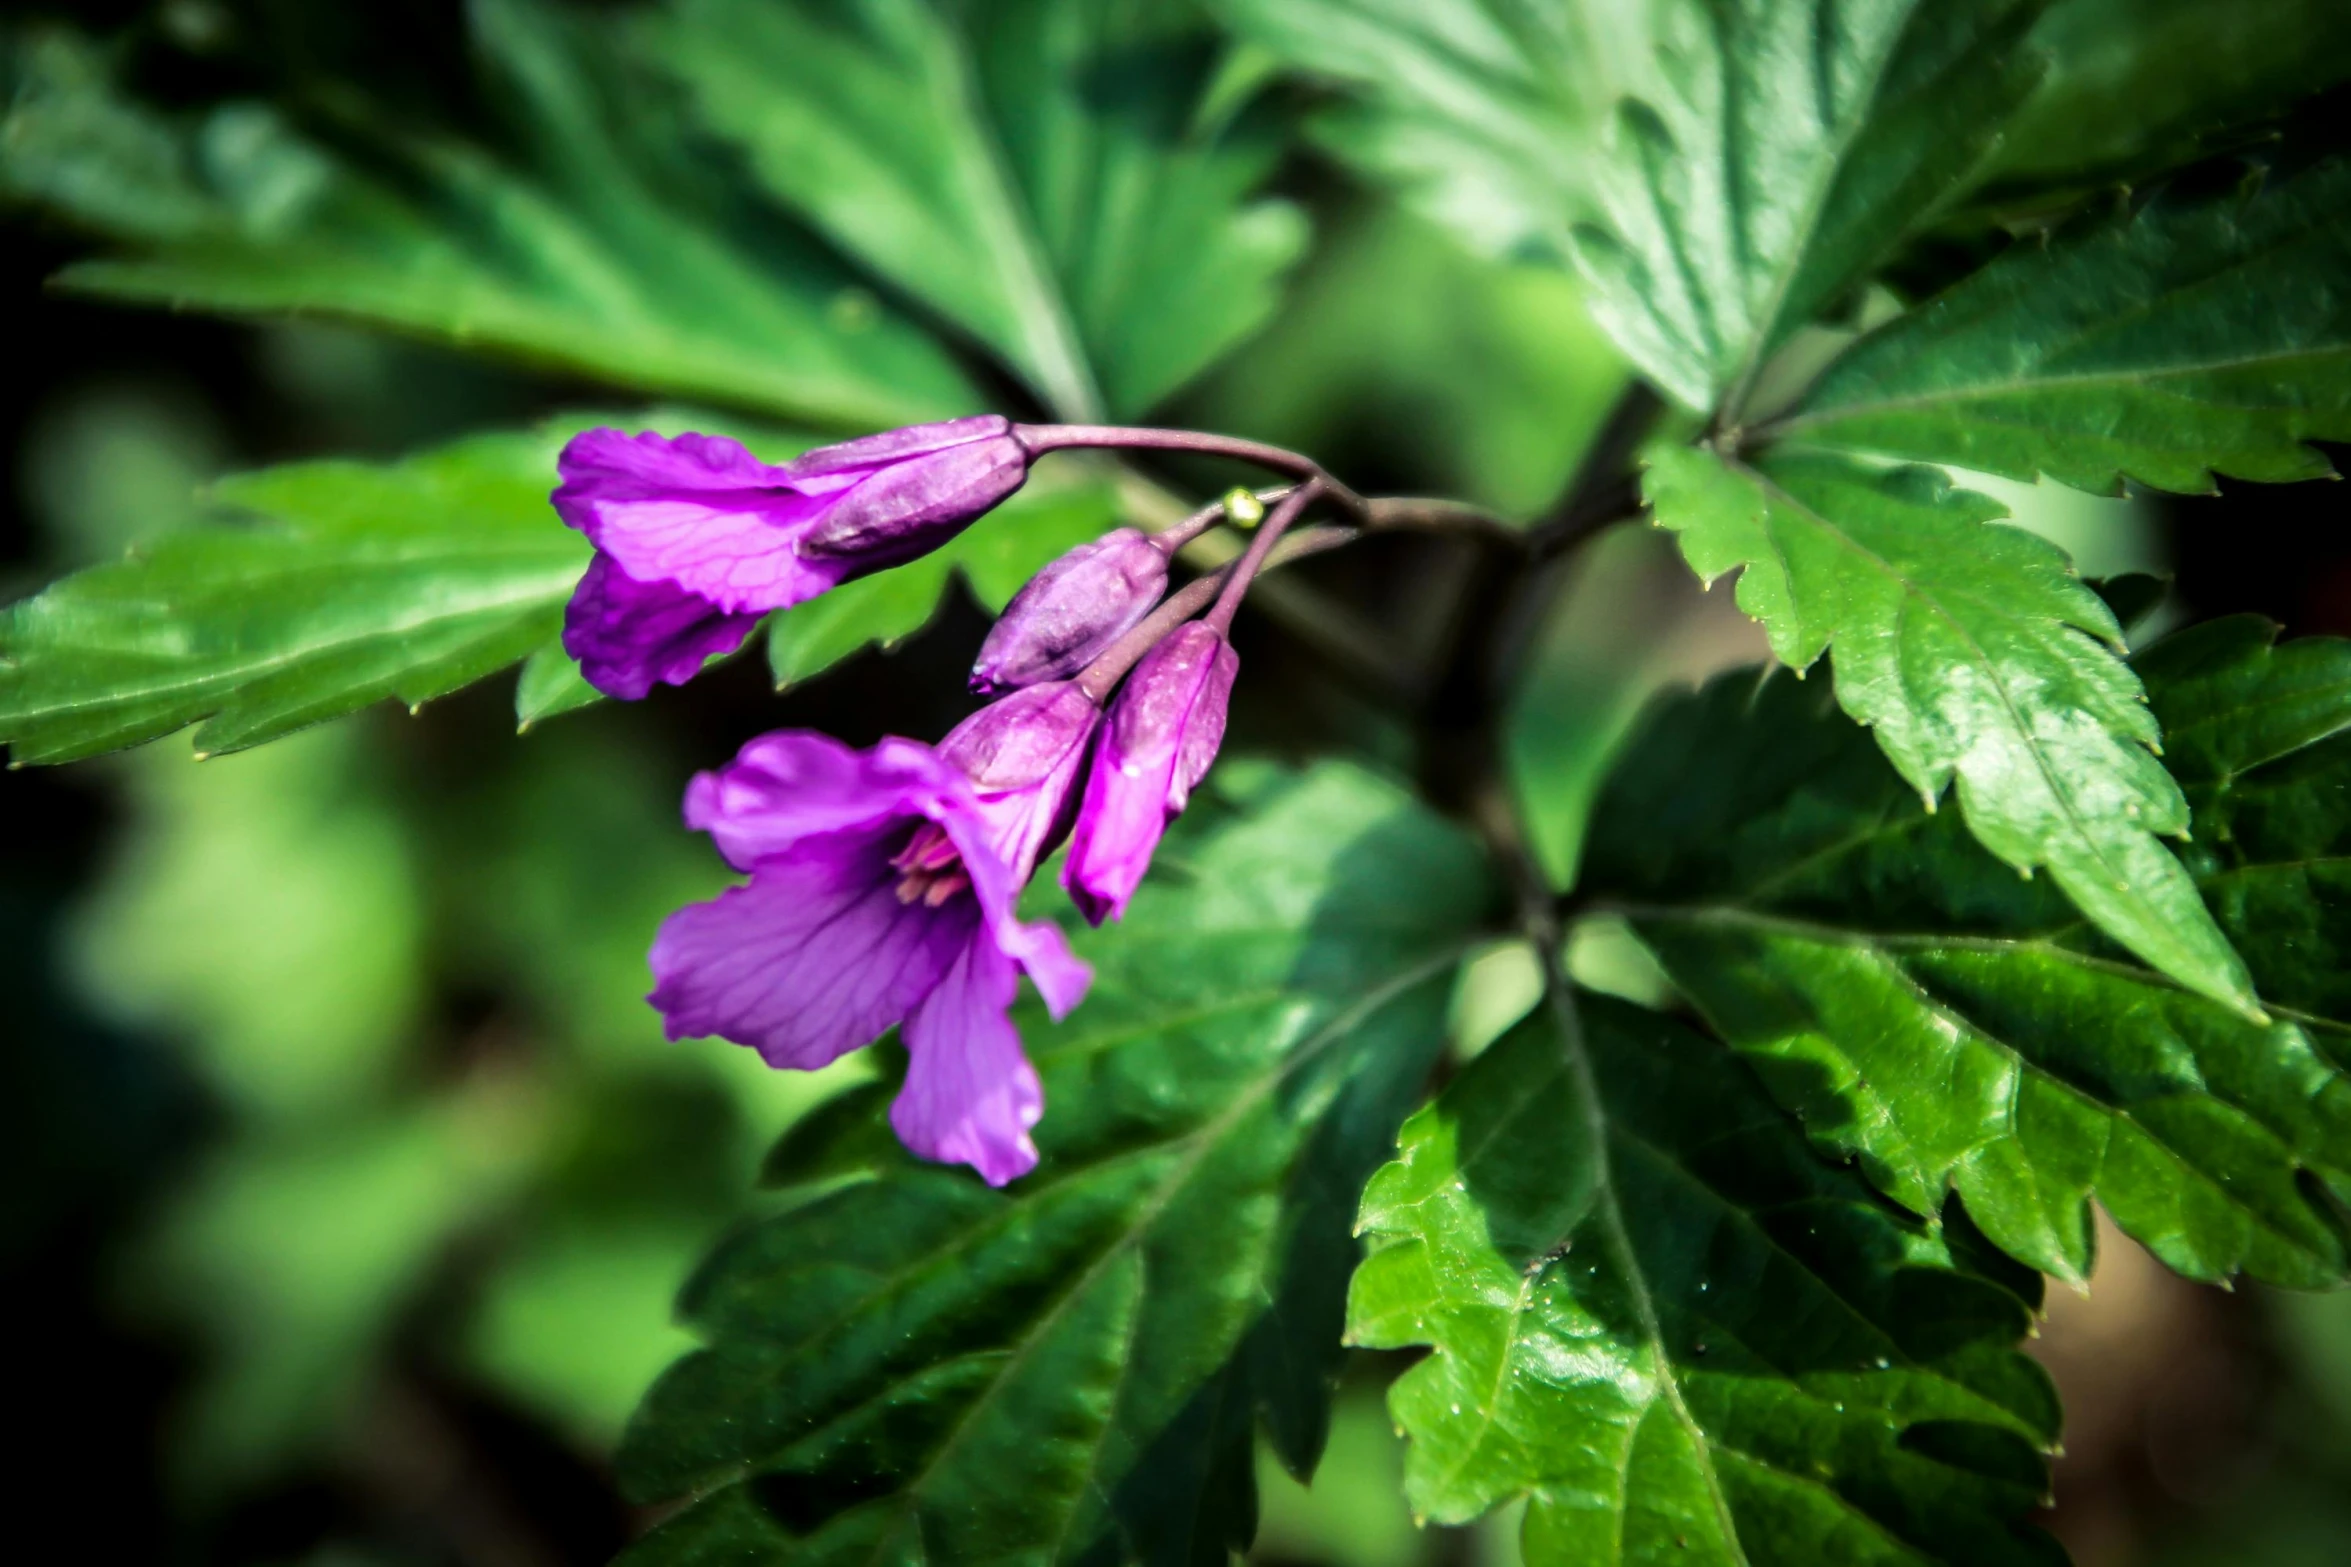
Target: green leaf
1763	158
1053	176
1974	653
2200	335
351	582
1792	144
2136	85
1957	1029
911	1367
1482	111
550	685
994	558
1684	1338
599	246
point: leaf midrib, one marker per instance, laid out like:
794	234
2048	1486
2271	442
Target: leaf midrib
1203	1139
1618	1239
1831	164
1047	327
1835	413
1983	661
1197	1141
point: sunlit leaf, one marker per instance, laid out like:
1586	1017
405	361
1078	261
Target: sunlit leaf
1794	142
1720	172
345	583
1975	654
1657	1316
1956	1028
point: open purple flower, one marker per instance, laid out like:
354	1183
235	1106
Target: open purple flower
1162	734
877	896
696	539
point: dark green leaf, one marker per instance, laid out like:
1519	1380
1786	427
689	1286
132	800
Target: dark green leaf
2135	85
1687	1340
2133	596
1959	1029
1785	154
1766	156
351	583
913	1368
1053	176
2201	335
1974	653
1484	111
601	248
993	558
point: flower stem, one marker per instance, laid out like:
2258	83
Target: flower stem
1115	660
1111	666
1170	539
1269	533
1039	439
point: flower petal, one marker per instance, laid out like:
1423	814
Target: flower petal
630	636
913	506
1022	754
795	784
868	452
1157	743
970	1095
698	511
1119	828
813	958
1061	977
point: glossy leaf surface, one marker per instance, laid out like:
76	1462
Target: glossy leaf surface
1976	655
347	583
1785	149
1657	1315
1956	1028
2201	335
912	1367
596	242
1720	172
1052	177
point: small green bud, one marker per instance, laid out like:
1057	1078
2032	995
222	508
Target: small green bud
1244	509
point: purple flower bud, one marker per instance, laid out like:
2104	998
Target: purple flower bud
1069	612
1158	742
1022	755
696	538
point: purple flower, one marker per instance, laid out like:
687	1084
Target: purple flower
696	539
877	895
1071	611
1022	755
1158	742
